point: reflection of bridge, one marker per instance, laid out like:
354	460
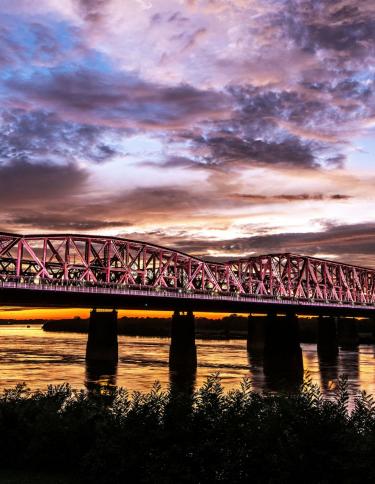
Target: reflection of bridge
93	271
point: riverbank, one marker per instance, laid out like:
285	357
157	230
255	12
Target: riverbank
228	327
234	327
208	436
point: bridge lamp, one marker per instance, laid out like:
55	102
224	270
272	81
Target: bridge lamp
36	280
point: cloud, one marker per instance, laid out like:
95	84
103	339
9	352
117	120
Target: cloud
11	52
354	244
195	125
42	136
117	99
229	148
59	211
256	198
57	221
92	10
338	26
23	184
157	202
29	42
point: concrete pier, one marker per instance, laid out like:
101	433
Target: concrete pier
183	352
282	351
102	339
327	336
347	333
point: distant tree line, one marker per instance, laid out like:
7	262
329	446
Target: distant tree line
231	326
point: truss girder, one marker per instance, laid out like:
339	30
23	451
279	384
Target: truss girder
306	278
94	260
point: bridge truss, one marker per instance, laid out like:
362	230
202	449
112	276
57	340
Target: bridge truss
77	260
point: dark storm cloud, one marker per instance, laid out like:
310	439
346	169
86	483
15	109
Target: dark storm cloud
229	148
42	136
262	108
344	27
263	126
22	183
287	126
289	198
117	99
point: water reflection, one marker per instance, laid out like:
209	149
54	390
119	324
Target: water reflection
100	374
348	366
183	381
283	372
255	361
328	367
283	364
40	358
182	367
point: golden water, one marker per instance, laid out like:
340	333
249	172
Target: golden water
28	354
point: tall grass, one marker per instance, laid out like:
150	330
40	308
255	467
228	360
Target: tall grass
209	436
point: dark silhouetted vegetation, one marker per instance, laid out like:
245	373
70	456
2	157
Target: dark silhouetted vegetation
232	326
112	437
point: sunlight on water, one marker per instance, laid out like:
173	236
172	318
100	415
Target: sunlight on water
28	354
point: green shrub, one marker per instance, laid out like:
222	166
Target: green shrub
209	436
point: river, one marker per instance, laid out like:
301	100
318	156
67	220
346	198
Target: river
39	358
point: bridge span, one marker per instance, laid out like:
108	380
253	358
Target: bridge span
83	271
109	272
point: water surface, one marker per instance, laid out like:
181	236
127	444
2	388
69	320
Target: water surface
28	354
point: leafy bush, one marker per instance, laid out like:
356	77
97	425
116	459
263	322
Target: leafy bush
209	436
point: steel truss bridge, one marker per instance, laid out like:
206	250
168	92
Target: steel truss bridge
87	271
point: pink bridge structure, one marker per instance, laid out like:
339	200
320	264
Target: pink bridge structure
109	272
133	271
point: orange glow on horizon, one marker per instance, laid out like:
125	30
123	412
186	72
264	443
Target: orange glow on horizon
21	313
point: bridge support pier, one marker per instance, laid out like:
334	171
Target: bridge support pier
183	352
327	336
102	339
255	333
347	333
282	351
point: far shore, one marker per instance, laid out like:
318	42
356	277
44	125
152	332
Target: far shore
228	327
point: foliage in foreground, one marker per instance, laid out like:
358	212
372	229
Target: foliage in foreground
212	436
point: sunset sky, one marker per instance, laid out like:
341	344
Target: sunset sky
217	127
